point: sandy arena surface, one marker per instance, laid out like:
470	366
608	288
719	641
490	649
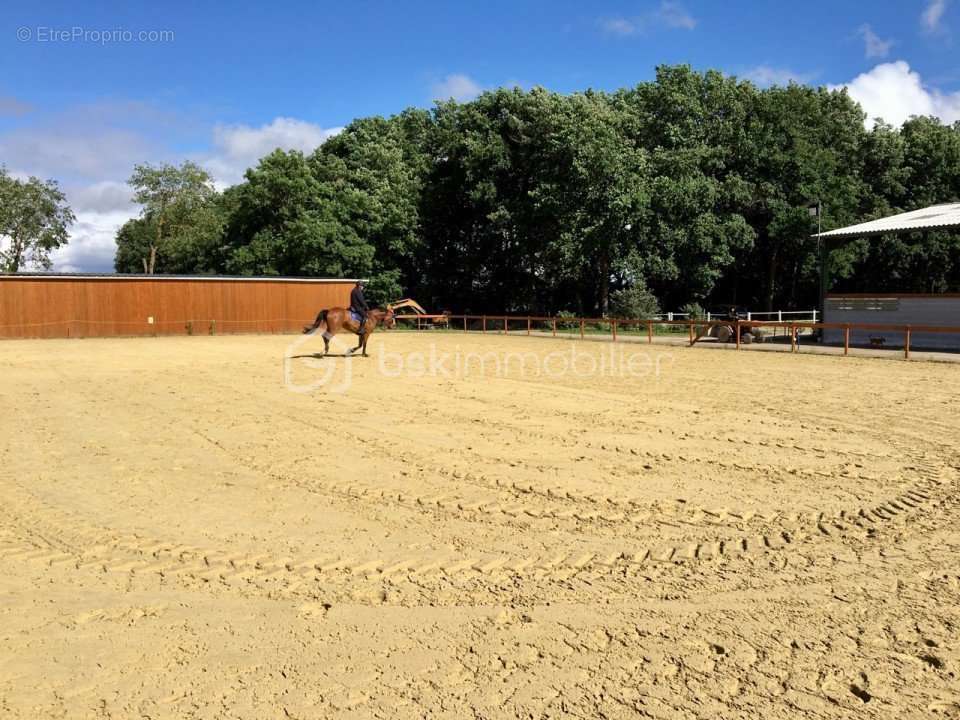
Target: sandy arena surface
744	535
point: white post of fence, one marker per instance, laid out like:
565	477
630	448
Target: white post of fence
779	315
749	316
814	314
669	316
708	317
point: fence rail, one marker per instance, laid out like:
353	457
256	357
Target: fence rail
696	329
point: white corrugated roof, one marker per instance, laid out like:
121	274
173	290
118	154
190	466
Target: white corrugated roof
935	216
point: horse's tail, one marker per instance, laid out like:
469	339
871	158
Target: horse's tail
321	320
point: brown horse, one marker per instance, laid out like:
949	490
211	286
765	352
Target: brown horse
337	320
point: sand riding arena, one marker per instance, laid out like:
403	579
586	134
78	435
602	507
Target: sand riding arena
226	526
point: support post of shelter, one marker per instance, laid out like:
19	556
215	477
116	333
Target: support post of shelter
824	275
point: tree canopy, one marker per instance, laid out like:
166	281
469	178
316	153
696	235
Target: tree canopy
34	218
692	188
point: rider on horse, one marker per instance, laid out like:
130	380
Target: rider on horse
358	306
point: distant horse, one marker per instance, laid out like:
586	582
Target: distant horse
338	319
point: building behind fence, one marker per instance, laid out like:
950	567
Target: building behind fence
894	309
79	305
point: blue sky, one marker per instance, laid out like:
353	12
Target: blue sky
84	96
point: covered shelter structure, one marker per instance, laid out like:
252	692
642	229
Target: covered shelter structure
899	309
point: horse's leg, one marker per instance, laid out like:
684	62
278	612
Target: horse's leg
326	343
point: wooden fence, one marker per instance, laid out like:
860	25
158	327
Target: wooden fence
695	329
48	306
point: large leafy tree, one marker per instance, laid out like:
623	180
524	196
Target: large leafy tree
178	204
34	220
694	127
906	169
694	185
382	162
289	221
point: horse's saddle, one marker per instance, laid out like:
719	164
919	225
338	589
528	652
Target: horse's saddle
357	318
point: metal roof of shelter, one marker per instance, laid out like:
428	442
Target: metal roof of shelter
935	217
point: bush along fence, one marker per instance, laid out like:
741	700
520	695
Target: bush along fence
736	332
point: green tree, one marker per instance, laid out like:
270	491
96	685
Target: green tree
695	185
634	302
34	217
176	201
287	221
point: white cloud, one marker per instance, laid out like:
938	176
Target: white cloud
894	92
765	76
101	197
92	243
457	87
674	15
932	15
91	150
618	26
75	154
238	147
874	45
670	14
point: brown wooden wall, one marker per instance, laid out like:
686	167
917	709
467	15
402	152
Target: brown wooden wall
102	307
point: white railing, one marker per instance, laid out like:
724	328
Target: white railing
772	315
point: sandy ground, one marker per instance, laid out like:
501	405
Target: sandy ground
191	528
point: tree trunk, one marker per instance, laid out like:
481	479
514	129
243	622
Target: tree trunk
604	283
16	256
794	281
771	280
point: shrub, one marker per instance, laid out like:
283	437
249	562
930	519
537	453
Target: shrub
634	302
565	320
694	311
